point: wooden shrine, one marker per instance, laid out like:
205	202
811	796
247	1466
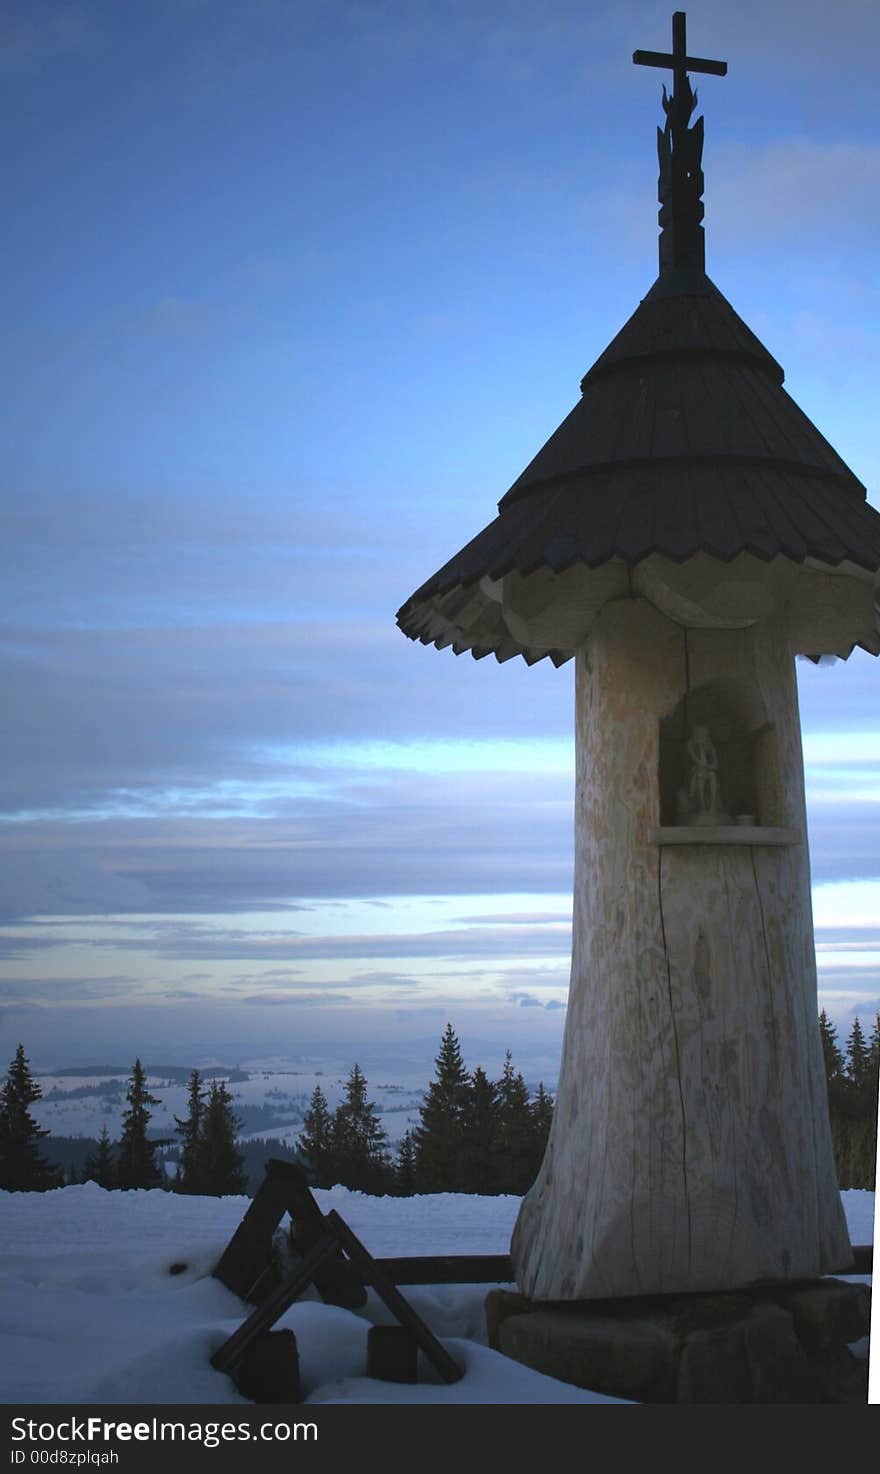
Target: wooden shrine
682	536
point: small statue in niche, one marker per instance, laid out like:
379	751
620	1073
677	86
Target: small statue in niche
700	801
703	790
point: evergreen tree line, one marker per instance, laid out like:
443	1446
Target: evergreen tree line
72	1152
23	1168
475	1135
209	1160
852	1075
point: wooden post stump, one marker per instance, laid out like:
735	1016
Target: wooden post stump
269	1369
392	1354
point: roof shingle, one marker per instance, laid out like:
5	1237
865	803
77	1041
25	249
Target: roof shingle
684	442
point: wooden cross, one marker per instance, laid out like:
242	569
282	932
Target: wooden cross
679	61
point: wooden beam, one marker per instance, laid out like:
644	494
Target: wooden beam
693	63
338	1236
448	1269
246	1256
372	1272
265	1315
245	1266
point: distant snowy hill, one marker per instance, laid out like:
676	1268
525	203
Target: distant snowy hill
269	1101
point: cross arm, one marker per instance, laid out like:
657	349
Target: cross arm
691	63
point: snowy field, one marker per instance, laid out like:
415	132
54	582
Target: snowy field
90	1313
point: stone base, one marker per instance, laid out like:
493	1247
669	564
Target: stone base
783	1344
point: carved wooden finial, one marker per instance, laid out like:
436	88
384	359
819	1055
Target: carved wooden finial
680	151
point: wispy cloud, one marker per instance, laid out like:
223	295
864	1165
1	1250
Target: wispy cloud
214	726
300	984
522	918
180	941
528	1000
296	1000
46	991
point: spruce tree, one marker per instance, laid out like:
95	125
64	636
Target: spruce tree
220	1163
405	1166
860	1113
136	1157
479	1169
514	1131
316	1140
99	1166
872	1084
834	1065
190	1174
872	1092
23	1168
439	1137
852	1102
874	1050
359	1142
858	1059
541	1109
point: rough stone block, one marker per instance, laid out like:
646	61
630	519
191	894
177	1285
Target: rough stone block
773	1344
844	1377
756	1360
706	1312
500	1304
623	1356
714	1367
829	1313
781	1371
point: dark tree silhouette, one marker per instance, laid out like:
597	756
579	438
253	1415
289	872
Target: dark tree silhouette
514	1131
220	1164
315	1142
858	1059
872	1101
480	1126
440	1136
874	1050
852	1101
99	1165
405	1166
23	1168
136	1157
477	1135
859	1148
541	1109
359	1142
834	1063
190	1170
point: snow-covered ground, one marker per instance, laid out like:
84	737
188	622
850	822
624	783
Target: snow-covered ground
90	1313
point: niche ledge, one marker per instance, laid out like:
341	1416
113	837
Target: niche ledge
722	834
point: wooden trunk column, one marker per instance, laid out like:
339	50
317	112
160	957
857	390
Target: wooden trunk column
690	1147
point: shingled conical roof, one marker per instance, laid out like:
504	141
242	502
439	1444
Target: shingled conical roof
683	443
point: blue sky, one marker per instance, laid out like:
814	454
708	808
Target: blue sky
292	294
